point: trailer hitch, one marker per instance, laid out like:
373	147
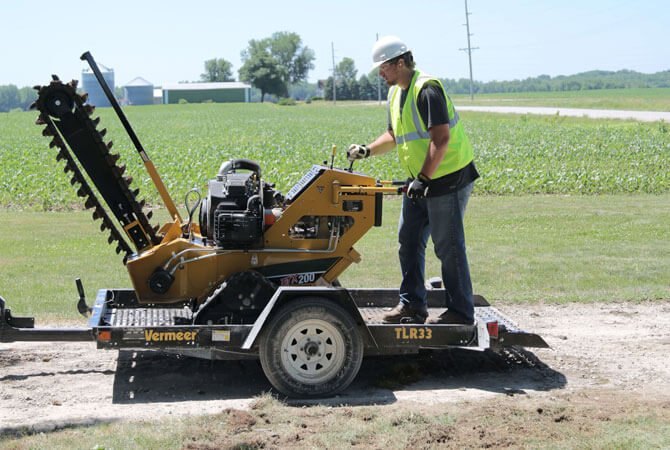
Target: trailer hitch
82	307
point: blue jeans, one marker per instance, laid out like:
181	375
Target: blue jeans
441	218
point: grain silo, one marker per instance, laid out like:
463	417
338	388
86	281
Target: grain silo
96	95
139	92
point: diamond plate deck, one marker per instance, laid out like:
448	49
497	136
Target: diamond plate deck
145	317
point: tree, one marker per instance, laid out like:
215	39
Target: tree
27	96
347	86
366	90
9	98
263	70
217	69
346	70
273	63
298	60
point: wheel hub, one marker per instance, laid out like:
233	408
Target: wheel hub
311	348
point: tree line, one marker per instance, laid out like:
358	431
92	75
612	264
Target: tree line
14	98
278	66
595	79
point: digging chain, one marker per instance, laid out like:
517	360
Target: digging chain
57	102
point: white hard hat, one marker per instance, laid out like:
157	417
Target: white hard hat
386	48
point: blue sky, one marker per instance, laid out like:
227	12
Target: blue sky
168	41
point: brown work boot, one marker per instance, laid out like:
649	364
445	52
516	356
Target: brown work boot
404	313
449	318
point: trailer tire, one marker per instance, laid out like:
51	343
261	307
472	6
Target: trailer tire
311	347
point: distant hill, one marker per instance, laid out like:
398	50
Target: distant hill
595	79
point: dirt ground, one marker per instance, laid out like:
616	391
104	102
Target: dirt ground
615	349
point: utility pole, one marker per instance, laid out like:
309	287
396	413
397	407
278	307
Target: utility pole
469	49
332	47
379	84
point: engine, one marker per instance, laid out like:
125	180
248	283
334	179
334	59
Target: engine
232	214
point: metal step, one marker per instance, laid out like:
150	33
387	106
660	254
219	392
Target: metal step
146	317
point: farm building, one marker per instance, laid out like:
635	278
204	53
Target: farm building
204	92
90	85
139	92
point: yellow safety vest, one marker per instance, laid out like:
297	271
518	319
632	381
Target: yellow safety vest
412	137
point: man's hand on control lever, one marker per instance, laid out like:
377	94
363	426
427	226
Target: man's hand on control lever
357	151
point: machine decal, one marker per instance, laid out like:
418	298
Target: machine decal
299	278
166	336
413	333
283	274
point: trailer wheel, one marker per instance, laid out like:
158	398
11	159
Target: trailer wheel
312	347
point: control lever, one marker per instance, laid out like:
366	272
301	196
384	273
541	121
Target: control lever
332	155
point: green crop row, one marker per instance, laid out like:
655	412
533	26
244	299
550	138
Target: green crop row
515	154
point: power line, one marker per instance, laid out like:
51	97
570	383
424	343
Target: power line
470	48
332	47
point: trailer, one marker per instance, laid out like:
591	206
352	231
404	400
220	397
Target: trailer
310	341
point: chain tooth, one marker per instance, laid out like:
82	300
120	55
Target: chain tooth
89	203
128	180
121	170
135	193
156	228
54	77
61	155
56	142
83	191
74	180
109	145
88	108
40	120
150	214
112	158
33	105
69	167
141	203
84	97
103	226
48	132
111	239
73	84
96	121
119	249
97	213
37	87
103	132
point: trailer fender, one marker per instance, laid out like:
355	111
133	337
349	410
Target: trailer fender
286	294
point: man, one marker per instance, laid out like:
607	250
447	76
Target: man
436	153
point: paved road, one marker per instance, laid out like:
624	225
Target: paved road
643	116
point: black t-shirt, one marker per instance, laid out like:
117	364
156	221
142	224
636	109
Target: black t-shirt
432	106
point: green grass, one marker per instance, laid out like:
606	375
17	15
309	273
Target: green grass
651	99
515	154
511	422
521	249
546	248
